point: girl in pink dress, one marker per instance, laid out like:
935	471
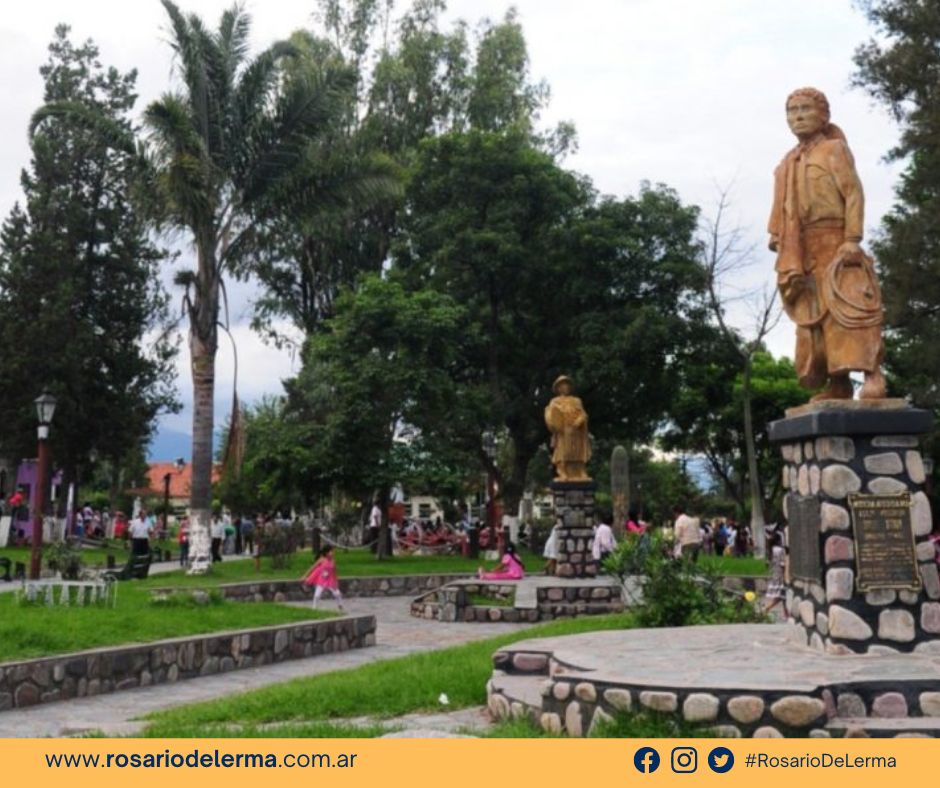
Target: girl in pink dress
323	575
512	567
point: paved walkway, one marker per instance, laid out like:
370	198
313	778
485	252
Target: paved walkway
398	634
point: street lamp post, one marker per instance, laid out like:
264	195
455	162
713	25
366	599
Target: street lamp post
45	408
178	467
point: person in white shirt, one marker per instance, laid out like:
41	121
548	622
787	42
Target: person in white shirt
688	534
604	541
375	525
550	551
140	531
217	534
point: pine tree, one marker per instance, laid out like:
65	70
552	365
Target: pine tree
901	69
80	299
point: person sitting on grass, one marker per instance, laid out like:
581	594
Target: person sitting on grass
322	575
512	567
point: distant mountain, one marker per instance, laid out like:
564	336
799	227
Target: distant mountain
168	445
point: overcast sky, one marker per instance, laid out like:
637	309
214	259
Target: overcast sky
685	93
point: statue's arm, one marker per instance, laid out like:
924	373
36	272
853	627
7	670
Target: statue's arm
842	166
581	419
776	211
550	421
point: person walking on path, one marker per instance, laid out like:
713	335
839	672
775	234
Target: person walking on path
512	567
217	534
322	575
183	538
688	534
140	534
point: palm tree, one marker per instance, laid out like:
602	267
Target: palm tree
219	146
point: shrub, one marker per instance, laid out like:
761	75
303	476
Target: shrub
672	592
65	559
196	597
280	542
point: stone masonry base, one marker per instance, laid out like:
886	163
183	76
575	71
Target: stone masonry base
735	680
98	671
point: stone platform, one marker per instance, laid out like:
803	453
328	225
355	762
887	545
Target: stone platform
752	680
862	571
534	598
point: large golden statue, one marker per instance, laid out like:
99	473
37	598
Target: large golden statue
568	423
828	284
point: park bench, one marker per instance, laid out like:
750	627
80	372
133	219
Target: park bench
5	565
137	567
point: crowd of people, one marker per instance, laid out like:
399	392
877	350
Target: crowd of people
719	536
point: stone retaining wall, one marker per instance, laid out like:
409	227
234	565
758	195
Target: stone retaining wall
452	603
575	705
293	591
94	672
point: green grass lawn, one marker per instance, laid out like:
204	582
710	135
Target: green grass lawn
34	631
384	689
726	565
361	563
352	563
635	725
92	557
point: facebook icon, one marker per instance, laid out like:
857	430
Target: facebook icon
646	760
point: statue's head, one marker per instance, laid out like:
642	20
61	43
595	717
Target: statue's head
807	112
562	386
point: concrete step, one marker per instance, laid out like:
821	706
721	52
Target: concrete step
879	728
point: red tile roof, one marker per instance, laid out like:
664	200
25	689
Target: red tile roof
180	481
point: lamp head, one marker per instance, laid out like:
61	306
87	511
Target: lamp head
45	408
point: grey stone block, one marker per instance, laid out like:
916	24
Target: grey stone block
886	464
839	480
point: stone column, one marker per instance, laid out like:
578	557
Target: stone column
832	450
574	508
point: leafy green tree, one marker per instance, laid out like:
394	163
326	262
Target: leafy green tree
899	68
274	472
383	364
414	80
706	417
219	145
554	279
79	286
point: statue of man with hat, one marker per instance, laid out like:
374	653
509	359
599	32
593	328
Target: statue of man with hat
827	282
568	422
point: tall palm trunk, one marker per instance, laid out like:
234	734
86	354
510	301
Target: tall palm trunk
203	345
200	501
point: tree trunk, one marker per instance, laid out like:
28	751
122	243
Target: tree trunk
200	501
757	501
513	488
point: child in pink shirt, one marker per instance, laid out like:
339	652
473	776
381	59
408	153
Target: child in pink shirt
322	575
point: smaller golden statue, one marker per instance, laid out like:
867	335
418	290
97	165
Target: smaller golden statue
568	423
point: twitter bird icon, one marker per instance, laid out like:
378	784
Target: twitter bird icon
720	760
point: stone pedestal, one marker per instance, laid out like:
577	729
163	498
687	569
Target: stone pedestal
574	509
862	581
